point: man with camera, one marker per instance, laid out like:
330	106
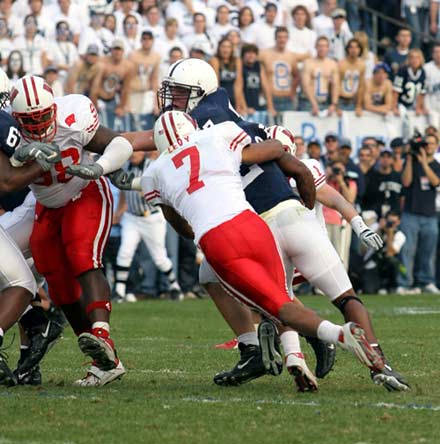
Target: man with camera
420	177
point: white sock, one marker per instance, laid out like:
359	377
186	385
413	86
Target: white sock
250	338
102	325
120	288
2	333
290	342
329	332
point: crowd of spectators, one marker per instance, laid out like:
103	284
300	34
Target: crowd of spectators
271	57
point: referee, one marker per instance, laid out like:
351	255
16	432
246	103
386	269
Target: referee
140	221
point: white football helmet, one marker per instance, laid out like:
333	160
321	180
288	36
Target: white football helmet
34	107
185	85
170	128
285	136
5	86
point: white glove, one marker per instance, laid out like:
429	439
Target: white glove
365	234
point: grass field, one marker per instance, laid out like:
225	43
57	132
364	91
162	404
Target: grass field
168	395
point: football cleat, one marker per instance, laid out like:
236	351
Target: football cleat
228	345
270	347
325	356
249	367
352	338
304	379
176	295
390	379
100	349
97	378
7	378
32	377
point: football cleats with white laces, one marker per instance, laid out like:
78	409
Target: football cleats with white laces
187	82
33	105
170	129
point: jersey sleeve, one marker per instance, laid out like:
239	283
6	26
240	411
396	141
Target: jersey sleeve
235	139
317	171
9	134
150	187
81	117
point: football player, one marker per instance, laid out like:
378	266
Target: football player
66	250
211	207
192	86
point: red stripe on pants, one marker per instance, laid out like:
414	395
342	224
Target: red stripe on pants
243	252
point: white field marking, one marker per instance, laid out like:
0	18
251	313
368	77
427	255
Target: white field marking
415	310
26	441
386	405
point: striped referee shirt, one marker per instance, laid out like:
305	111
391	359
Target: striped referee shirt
136	204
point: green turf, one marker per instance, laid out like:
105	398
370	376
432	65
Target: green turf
168	395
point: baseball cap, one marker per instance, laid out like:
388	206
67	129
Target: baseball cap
314	142
331	135
345	143
92	49
386	150
397	141
50	68
117	43
382	65
338	13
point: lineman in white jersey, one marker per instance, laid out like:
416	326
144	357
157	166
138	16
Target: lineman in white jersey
432	97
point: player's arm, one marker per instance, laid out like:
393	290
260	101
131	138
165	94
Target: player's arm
181	226
331	198
291	166
141	140
14	179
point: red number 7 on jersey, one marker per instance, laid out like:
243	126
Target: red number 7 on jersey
194	167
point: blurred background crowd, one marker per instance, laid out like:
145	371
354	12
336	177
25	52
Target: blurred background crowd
324	57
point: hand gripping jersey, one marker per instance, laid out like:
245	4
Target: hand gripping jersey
264	184
77	122
200	179
9	134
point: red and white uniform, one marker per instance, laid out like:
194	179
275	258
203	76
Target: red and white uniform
72	216
201	181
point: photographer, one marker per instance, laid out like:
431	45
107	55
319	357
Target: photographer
339	231
381	268
420	177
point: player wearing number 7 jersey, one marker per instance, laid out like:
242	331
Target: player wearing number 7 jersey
73	214
197	182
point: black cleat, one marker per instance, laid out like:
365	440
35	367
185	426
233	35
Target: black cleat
325	356
32	377
270	347
7	378
248	368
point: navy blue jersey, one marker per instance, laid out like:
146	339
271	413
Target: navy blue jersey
409	85
252	85
9	134
265	185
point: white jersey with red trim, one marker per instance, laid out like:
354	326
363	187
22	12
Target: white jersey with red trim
201	178
77	122
319	178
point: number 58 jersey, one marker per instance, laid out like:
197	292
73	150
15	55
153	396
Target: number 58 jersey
201	178
77	122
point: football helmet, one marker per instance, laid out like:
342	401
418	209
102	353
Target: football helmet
185	85
171	127
285	136
34	107
4	89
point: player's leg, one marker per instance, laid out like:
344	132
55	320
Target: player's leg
244	255
85	229
130	238
153	231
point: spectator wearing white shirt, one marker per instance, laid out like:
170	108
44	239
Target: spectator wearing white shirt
5	41
432	98
110	24
131	38
64	10
15	23
338	37
33	47
127	8
199	37
42	15
52	79
264	37
183	12
323	23
289	5
14	67
302	39
170	39
369	57
222	24
96	34
151	21
173	55
246	24
62	53
259	9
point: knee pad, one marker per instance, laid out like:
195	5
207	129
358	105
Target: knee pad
344	301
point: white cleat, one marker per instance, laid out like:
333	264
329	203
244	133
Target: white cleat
99	349
352	338
304	379
130	297
98	378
